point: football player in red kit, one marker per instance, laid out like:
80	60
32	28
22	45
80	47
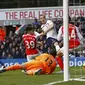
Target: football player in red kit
30	43
75	42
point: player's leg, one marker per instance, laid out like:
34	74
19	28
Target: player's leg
18	66
38	71
59	58
34	71
34	67
59	55
13	67
51	41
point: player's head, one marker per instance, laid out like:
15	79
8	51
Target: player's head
42	18
30	29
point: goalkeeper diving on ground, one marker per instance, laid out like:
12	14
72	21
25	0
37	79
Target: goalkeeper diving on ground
42	64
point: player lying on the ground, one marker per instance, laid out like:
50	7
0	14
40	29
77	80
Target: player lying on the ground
43	64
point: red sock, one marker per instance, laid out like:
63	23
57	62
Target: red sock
14	67
60	62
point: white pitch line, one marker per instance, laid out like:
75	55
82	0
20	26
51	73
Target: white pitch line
54	82
76	79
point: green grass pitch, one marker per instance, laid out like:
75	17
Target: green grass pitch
19	78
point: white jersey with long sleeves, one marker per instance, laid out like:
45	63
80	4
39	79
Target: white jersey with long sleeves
52	33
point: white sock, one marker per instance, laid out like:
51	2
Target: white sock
57	47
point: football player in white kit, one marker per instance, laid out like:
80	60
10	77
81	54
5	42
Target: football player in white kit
48	28
51	35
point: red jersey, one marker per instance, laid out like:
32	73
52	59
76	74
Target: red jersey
73	36
30	44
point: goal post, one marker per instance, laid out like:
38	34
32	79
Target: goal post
76	72
66	51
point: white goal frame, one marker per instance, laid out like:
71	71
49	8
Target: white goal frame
66	43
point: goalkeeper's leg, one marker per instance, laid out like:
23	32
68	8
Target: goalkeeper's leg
13	67
34	71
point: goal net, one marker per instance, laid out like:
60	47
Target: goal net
76	58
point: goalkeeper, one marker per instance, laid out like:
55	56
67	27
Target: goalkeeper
43	64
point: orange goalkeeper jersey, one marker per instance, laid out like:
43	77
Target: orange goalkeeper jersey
49	62
46	62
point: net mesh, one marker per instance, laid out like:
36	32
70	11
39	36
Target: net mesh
78	19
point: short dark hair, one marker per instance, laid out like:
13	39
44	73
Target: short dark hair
43	15
29	27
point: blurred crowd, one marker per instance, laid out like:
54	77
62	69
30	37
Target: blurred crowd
12	47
